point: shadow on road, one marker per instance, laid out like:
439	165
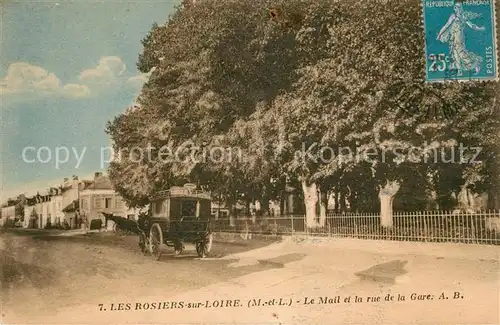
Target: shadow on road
384	272
14	273
131	243
23	232
40	259
45	270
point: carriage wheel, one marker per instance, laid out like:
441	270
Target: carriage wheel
155	238
143	243
203	247
117	229
178	248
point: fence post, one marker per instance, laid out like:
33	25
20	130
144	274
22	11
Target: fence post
356	231
425	234
473	230
306	228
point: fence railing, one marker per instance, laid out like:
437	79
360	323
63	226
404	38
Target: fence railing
426	226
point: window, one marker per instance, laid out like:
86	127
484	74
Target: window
119	203
158	207
107	203
188	209
84	204
97	202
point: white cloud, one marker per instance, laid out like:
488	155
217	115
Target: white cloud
76	91
139	80
49	83
26	79
108	72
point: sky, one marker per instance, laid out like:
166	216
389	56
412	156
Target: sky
66	68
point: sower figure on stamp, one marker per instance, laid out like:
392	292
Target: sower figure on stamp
453	34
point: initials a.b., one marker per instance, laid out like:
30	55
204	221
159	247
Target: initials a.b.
456	295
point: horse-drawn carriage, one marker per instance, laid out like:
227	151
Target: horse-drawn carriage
177	216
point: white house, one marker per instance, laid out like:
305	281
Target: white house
29	211
98	197
70	197
8	213
42	210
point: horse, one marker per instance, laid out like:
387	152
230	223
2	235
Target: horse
122	224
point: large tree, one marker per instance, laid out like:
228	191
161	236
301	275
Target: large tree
292	90
360	95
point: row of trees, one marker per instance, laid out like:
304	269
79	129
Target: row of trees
275	79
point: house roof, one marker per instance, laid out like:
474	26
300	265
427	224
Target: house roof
72	207
99	183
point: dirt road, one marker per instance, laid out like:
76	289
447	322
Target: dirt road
42	274
103	279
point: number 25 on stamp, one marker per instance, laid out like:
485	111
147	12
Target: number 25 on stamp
460	40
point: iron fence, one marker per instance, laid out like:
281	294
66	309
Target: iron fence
425	226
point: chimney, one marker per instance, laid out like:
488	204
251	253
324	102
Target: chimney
97	175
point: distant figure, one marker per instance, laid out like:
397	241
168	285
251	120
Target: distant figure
453	34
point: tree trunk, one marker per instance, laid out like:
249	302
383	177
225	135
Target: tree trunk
230	207
217	215
310	201
282	204
290	200
492	200
264	205
337	200
323	207
386	196
258	211
353	200
465	201
343	207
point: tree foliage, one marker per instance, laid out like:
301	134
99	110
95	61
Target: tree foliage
273	79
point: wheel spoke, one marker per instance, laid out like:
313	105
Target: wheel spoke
155	241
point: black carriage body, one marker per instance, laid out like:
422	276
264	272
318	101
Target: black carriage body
182	214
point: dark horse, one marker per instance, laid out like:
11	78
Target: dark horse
122	224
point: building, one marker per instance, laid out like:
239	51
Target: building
13	211
74	204
30	214
56	207
44	210
70	200
8	213
98	196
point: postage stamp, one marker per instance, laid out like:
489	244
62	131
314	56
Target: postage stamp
460	38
